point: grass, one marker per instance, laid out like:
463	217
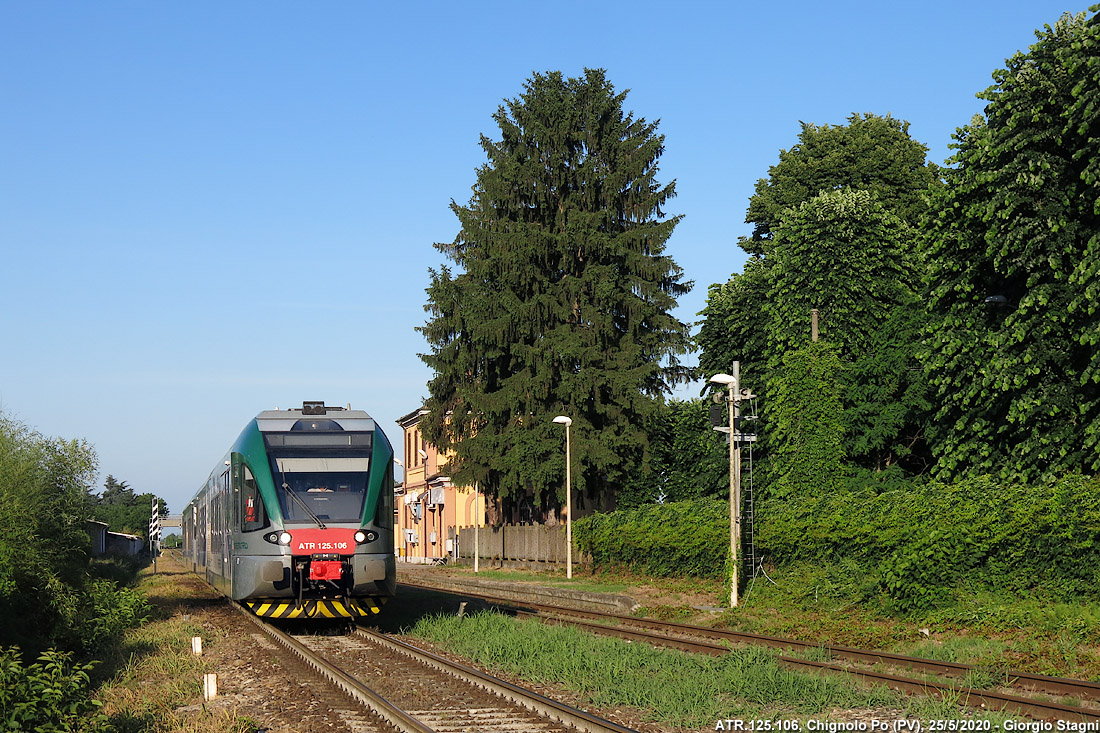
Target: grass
994	630
839	604
680	689
153	672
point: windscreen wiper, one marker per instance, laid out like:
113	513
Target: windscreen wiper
303	504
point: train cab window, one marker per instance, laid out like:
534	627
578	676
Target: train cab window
314	488
253	515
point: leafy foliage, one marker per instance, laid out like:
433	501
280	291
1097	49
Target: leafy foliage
905	545
687	538
49	696
870	153
807	422
50	594
1019	386
845	254
107	610
834	231
688	459
44	547
122	510
735	324
563	298
920	540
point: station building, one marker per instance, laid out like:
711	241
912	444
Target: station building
428	509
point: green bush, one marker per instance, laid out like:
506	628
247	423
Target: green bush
806	418
687	538
44	546
49	696
921	540
108	610
910	543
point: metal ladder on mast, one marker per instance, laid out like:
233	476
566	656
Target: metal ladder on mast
748	524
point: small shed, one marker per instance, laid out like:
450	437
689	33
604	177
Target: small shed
124	544
97	531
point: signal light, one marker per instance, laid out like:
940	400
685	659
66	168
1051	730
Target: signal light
362	537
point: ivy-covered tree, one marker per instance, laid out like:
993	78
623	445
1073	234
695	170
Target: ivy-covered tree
560	303
1014	278
848	256
808	423
834	230
869	153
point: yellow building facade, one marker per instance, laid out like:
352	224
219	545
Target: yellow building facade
428	509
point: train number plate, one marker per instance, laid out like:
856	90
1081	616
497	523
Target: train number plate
310	541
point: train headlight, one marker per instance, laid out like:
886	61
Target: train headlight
284	538
362	536
278	538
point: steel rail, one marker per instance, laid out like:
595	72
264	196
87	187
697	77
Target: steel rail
539	704
380	706
1037	682
1042	683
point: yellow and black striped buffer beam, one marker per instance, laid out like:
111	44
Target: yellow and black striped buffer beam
324	608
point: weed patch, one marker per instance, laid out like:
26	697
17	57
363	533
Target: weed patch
680	689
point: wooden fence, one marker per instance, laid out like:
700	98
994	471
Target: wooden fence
532	543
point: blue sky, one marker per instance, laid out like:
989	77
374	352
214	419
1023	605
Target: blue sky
210	209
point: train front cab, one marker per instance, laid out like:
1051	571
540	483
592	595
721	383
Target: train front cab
312	509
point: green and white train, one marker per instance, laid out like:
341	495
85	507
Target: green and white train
297	520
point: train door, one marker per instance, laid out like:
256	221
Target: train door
223	523
202	537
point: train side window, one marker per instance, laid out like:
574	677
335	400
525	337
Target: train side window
253	514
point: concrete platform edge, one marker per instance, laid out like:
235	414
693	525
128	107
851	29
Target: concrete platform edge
520	592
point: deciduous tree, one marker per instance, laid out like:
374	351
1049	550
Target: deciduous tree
834	230
44	545
845	254
1017	378
870	153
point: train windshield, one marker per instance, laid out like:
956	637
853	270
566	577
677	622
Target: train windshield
321	489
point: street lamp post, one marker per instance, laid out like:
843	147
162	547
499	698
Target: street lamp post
567	421
732	381
477	523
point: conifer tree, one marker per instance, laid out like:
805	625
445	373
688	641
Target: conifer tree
560	300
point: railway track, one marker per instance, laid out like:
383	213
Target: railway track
847	660
416	691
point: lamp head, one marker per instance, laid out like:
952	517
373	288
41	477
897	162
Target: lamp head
563	420
723	379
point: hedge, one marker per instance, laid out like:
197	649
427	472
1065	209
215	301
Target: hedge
687	538
916	542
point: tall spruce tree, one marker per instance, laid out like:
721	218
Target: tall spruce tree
560	301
